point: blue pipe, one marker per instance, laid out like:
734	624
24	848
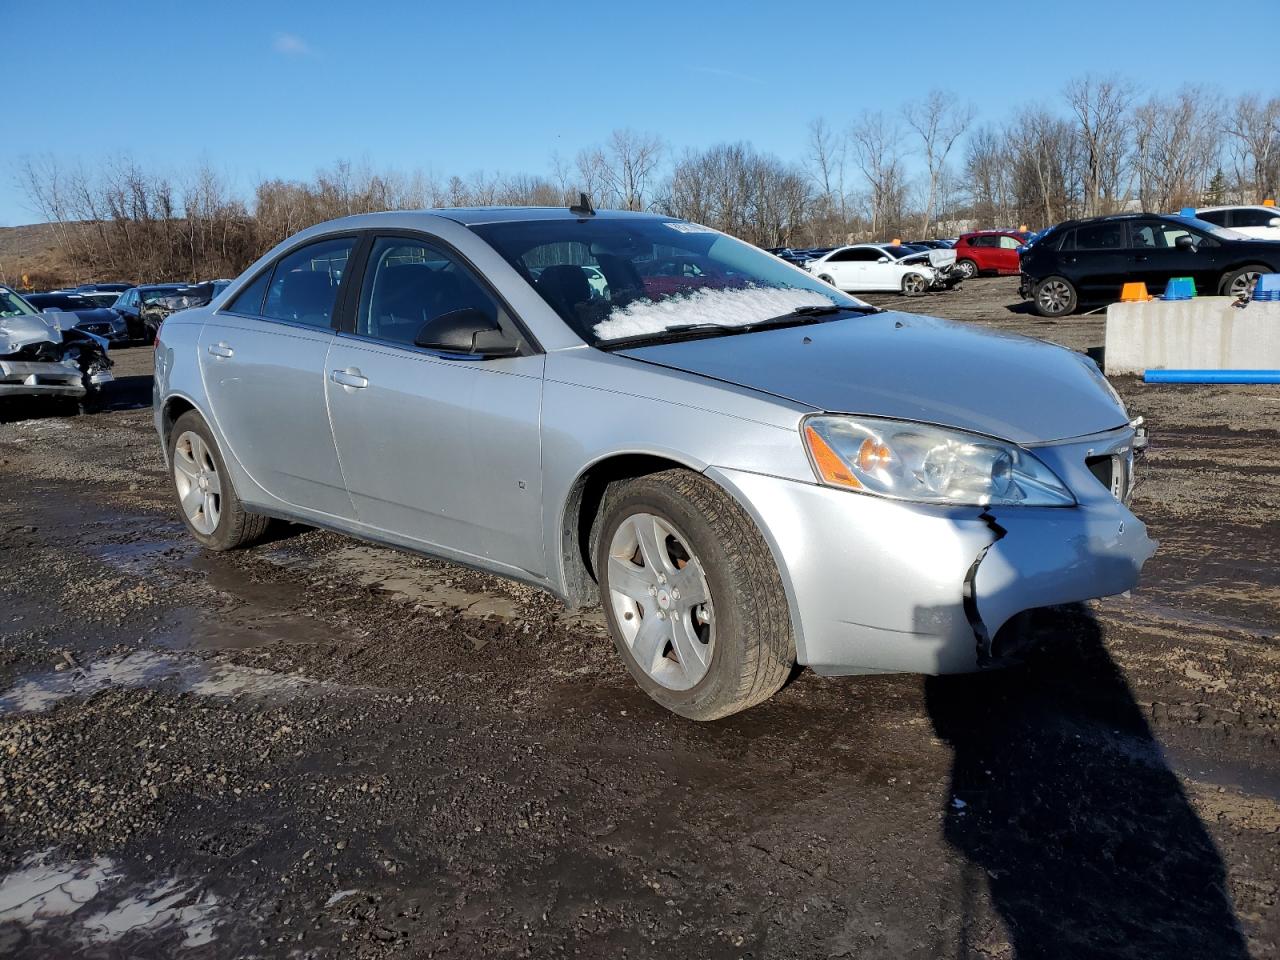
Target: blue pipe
1211	376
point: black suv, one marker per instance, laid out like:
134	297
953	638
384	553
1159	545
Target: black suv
1088	261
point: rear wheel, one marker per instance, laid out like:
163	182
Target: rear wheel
968	269
1055	297
206	499
1240	282
692	596
913	284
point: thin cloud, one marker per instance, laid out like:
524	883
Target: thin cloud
728	74
292	45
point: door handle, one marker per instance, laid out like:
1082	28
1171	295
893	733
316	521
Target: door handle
351	377
1140	258
221	349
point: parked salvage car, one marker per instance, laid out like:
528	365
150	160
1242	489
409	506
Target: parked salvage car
46	354
989	251
1088	261
103	321
883	266
746	477
1260	222
131	304
156	309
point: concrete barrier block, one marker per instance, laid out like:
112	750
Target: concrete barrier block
1206	333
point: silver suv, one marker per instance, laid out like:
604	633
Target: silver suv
747	468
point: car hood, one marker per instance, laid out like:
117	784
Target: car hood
912	368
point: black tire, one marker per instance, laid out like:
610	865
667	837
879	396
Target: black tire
968	269
1249	273
1055	297
236	526
754	650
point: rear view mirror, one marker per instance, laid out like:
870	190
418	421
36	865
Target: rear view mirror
468	331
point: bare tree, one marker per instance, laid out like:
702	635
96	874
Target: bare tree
827	160
939	120
1103	109
1176	148
877	148
1253	125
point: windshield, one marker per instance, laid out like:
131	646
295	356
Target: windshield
12	305
155	293
614	278
1204	226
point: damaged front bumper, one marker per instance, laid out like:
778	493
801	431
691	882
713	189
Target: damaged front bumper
59	378
883	586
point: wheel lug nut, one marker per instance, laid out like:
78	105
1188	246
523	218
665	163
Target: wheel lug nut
653	591
662	614
675	594
662	578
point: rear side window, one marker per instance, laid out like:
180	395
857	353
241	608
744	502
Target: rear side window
1100	236
1214	216
304	285
983	242
249	300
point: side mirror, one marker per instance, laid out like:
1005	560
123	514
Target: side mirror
468	331
884	260
1185	242
50	310
1274	222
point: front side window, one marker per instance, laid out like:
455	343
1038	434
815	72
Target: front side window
409	283
12	305
1010	243
733	284
1255	218
304	284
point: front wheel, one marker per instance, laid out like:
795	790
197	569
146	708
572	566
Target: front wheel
1239	283
826	278
202	487
913	285
1055	297
692	596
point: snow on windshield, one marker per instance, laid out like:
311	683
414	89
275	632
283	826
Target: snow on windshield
727	307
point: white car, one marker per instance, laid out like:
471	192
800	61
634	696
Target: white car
1262	223
872	266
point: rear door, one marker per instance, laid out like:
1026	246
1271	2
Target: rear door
1095	259
439	449
263	361
1005	254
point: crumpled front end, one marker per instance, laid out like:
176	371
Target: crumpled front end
878	585
39	358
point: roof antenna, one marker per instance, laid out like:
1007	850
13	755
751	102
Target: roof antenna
583	207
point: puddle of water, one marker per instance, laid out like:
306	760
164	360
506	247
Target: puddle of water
147	668
89	902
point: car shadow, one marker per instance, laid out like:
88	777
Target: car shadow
1062	796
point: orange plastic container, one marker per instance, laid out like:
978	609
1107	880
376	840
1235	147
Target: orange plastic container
1134	293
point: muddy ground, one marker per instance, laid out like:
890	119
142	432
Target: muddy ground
320	748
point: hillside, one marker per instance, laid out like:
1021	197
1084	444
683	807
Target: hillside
31	250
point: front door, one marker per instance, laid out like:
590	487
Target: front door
263	360
438	449
1157	258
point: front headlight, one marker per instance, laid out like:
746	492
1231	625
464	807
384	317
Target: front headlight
913	461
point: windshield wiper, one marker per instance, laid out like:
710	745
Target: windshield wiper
795	318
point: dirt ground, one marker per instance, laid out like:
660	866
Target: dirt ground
321	748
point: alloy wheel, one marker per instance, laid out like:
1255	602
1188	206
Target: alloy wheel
1055	296
195	473
913	284
1243	284
661	601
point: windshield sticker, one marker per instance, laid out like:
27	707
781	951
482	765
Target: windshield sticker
733	307
679	226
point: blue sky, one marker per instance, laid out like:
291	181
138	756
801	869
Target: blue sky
281	89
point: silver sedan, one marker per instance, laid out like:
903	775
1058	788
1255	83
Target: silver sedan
745	467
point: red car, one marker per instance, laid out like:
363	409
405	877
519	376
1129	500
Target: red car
989	251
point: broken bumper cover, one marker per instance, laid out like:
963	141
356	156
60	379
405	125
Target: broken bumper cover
881	586
33	378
